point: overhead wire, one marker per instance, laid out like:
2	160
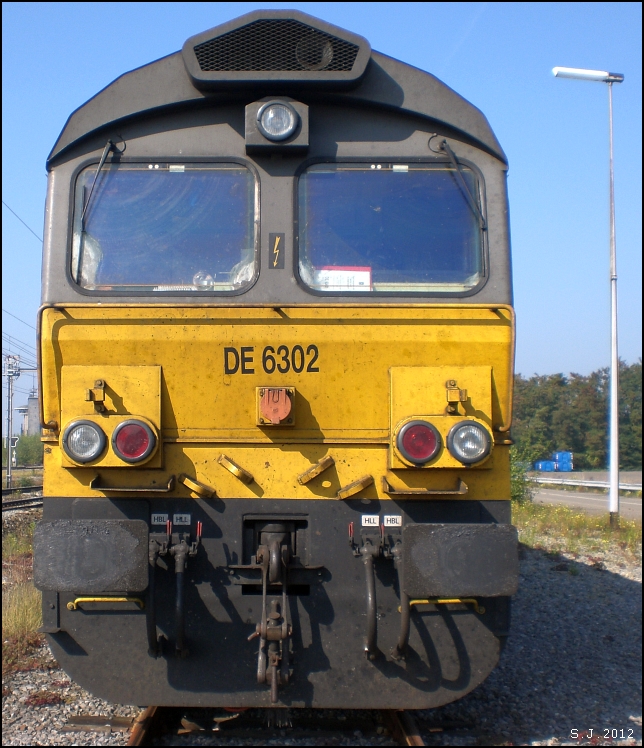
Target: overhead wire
23	354
10	346
20	390
15	350
22	222
29	366
23	357
24	343
23	360
18	318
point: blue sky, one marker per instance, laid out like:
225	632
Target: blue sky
499	56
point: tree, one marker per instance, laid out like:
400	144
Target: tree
29	450
630	416
556	413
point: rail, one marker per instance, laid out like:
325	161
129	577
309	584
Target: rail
21	468
403	727
155	720
585	483
21	489
31	503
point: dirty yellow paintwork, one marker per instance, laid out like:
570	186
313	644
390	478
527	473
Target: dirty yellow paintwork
350	361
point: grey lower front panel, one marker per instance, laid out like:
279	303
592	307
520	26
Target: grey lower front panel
104	647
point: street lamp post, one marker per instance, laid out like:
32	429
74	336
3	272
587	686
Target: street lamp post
602	76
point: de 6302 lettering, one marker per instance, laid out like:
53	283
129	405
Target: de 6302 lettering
281	359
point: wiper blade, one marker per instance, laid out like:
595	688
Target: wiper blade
471	200
108	147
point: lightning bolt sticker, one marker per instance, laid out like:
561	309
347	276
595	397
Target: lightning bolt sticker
276	251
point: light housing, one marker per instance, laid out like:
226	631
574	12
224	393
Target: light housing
83	441
418	442
133	441
469	442
277	120
599	76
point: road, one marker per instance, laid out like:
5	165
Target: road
596	503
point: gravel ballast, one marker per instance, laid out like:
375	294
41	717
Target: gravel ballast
572	662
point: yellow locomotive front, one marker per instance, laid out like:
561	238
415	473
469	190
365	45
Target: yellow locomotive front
276	348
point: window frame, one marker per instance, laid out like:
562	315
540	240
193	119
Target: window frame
390	161
147	295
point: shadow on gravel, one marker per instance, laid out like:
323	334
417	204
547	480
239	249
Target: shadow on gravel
572	662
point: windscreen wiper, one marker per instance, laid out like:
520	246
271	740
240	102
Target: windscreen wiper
108	147
471	200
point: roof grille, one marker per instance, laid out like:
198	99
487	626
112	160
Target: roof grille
277	44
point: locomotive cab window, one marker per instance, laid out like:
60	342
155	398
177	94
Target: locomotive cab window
154	227
392	228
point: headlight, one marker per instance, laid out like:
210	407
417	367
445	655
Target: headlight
418	442
469	442
133	441
83	441
277	120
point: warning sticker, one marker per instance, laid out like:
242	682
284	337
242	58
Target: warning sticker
181	519
393	520
370	520
159	519
343	278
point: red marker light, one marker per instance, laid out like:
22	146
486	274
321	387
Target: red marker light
418	441
133	441
199	528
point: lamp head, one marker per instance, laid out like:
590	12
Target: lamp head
601	76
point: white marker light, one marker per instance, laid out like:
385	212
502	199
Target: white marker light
468	442
83	441
277	120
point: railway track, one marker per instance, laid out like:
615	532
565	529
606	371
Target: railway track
29	502
22	469
20	489
156	721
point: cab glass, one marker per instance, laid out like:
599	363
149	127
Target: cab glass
392	228
159	227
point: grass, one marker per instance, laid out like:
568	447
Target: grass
565	529
23	478
24	481
21	612
21	602
18	543
562	528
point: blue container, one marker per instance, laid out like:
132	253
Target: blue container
563	467
545	466
562	456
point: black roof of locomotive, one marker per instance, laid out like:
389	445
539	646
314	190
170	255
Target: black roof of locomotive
175	83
